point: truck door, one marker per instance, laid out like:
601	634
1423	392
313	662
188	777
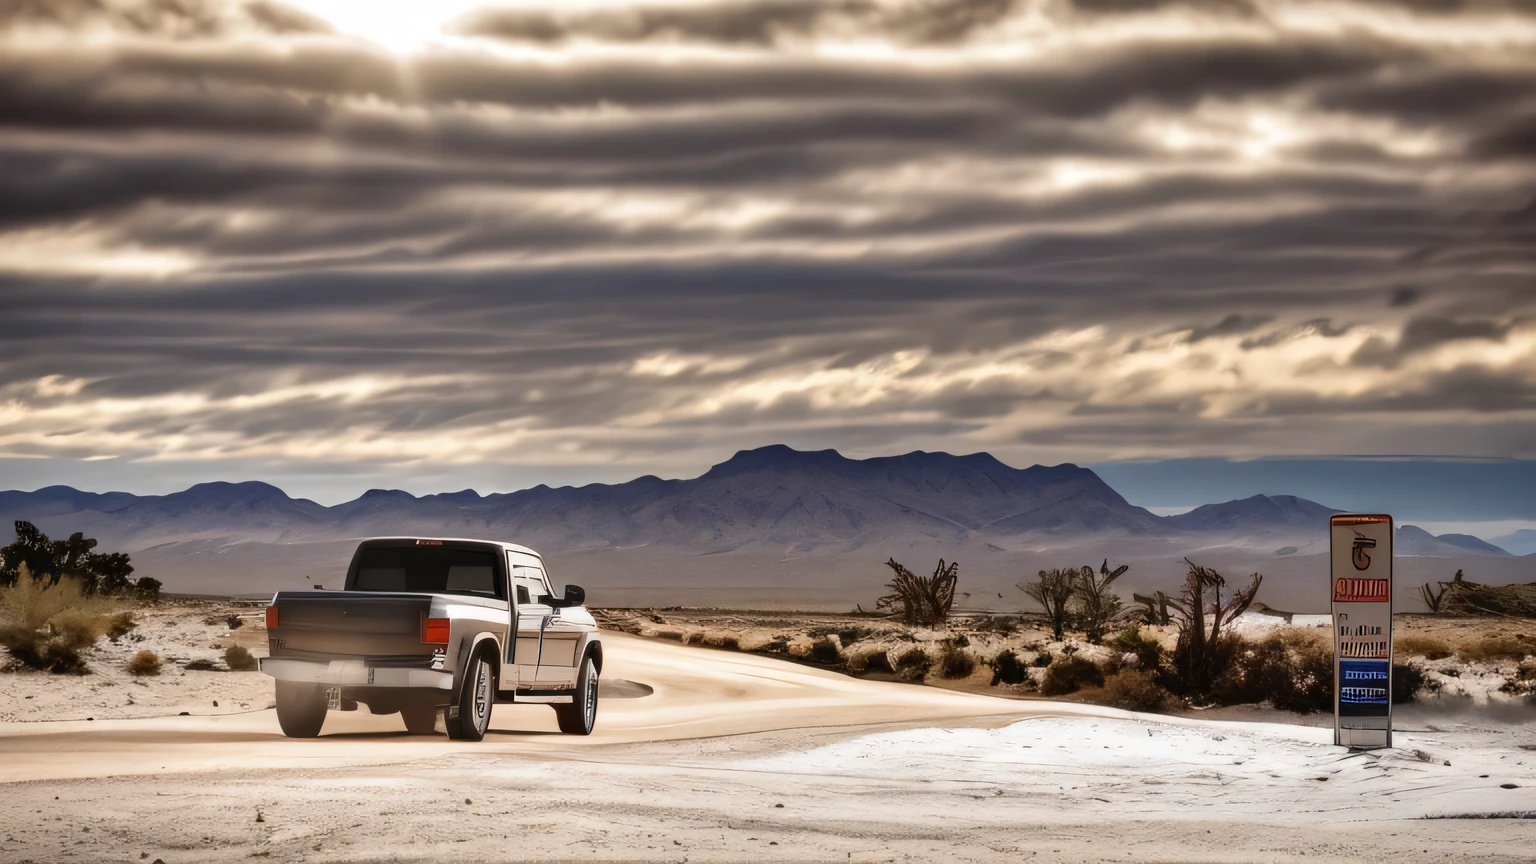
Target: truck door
533	614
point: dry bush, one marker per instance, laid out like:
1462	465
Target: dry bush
1053	591
1096	605
1148	651
1294	674
955	662
201	665
120	624
1008	669
925	601
1494	648
234	622
1069	675
46	626
144	663
1135	690
1428	647
1407	681
238	659
1200	654
912	663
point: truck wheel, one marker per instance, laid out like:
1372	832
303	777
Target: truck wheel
300	709
420	718
580	716
474	702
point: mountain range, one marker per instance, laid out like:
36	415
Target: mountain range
763	508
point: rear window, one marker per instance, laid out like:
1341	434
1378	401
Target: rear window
427	569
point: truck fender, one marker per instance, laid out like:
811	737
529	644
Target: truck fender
594	647
467	648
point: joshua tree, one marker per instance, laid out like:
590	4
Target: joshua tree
925	600
1202	617
1053	591
1097	606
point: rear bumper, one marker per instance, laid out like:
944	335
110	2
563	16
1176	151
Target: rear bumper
353	672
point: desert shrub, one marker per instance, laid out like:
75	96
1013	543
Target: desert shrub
925	601
825	651
912	663
238	659
954	662
1052	589
120	625
1407	681
45	625
1042	660
1428	647
1294	675
1494	648
1202	651
1148	651
1135	690
234	622
1007	669
1070	675
144	663
1096	605
961	640
200	665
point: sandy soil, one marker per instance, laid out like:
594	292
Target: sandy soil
724	756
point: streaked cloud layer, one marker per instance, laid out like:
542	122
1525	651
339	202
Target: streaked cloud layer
376	240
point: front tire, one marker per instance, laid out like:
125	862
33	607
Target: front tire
579	717
476	694
300	709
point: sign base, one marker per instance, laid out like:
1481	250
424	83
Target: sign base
1362	739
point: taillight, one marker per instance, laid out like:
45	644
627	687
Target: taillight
271	617
434	631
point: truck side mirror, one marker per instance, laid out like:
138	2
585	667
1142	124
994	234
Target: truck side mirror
574	596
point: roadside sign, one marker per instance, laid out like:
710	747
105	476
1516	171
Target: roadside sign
1360	583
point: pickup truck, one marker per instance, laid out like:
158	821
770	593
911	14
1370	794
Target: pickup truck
434	627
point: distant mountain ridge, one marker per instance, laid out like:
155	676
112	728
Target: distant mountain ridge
771	499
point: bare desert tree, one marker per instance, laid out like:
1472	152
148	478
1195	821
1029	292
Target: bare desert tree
1202	618
925	601
1053	591
1097	606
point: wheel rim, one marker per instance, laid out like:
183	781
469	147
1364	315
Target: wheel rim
589	697
482	696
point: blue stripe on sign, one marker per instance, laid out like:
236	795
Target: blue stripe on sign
1364	682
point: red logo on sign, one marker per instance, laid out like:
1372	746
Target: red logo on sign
1362	590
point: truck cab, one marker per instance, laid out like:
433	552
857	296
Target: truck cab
434	627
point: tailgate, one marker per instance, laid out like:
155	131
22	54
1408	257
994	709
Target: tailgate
383	628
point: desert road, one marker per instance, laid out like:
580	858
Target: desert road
706	755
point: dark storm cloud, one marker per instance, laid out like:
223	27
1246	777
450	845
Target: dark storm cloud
755	22
232	231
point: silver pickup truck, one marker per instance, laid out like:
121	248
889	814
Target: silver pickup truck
430	625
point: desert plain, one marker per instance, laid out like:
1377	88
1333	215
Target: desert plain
703	754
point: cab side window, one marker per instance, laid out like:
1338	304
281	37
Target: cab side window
530	579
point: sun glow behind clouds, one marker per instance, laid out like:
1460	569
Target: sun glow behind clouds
398	25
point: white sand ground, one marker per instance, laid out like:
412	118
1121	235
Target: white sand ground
744	758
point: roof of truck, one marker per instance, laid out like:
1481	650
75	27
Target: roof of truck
510	547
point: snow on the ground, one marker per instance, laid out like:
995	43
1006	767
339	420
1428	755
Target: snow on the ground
1145	767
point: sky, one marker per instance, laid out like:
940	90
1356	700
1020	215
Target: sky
339	245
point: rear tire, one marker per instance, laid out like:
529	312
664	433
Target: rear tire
477	692
420	719
579	717
300	709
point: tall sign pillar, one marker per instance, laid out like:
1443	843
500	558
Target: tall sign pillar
1361	587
